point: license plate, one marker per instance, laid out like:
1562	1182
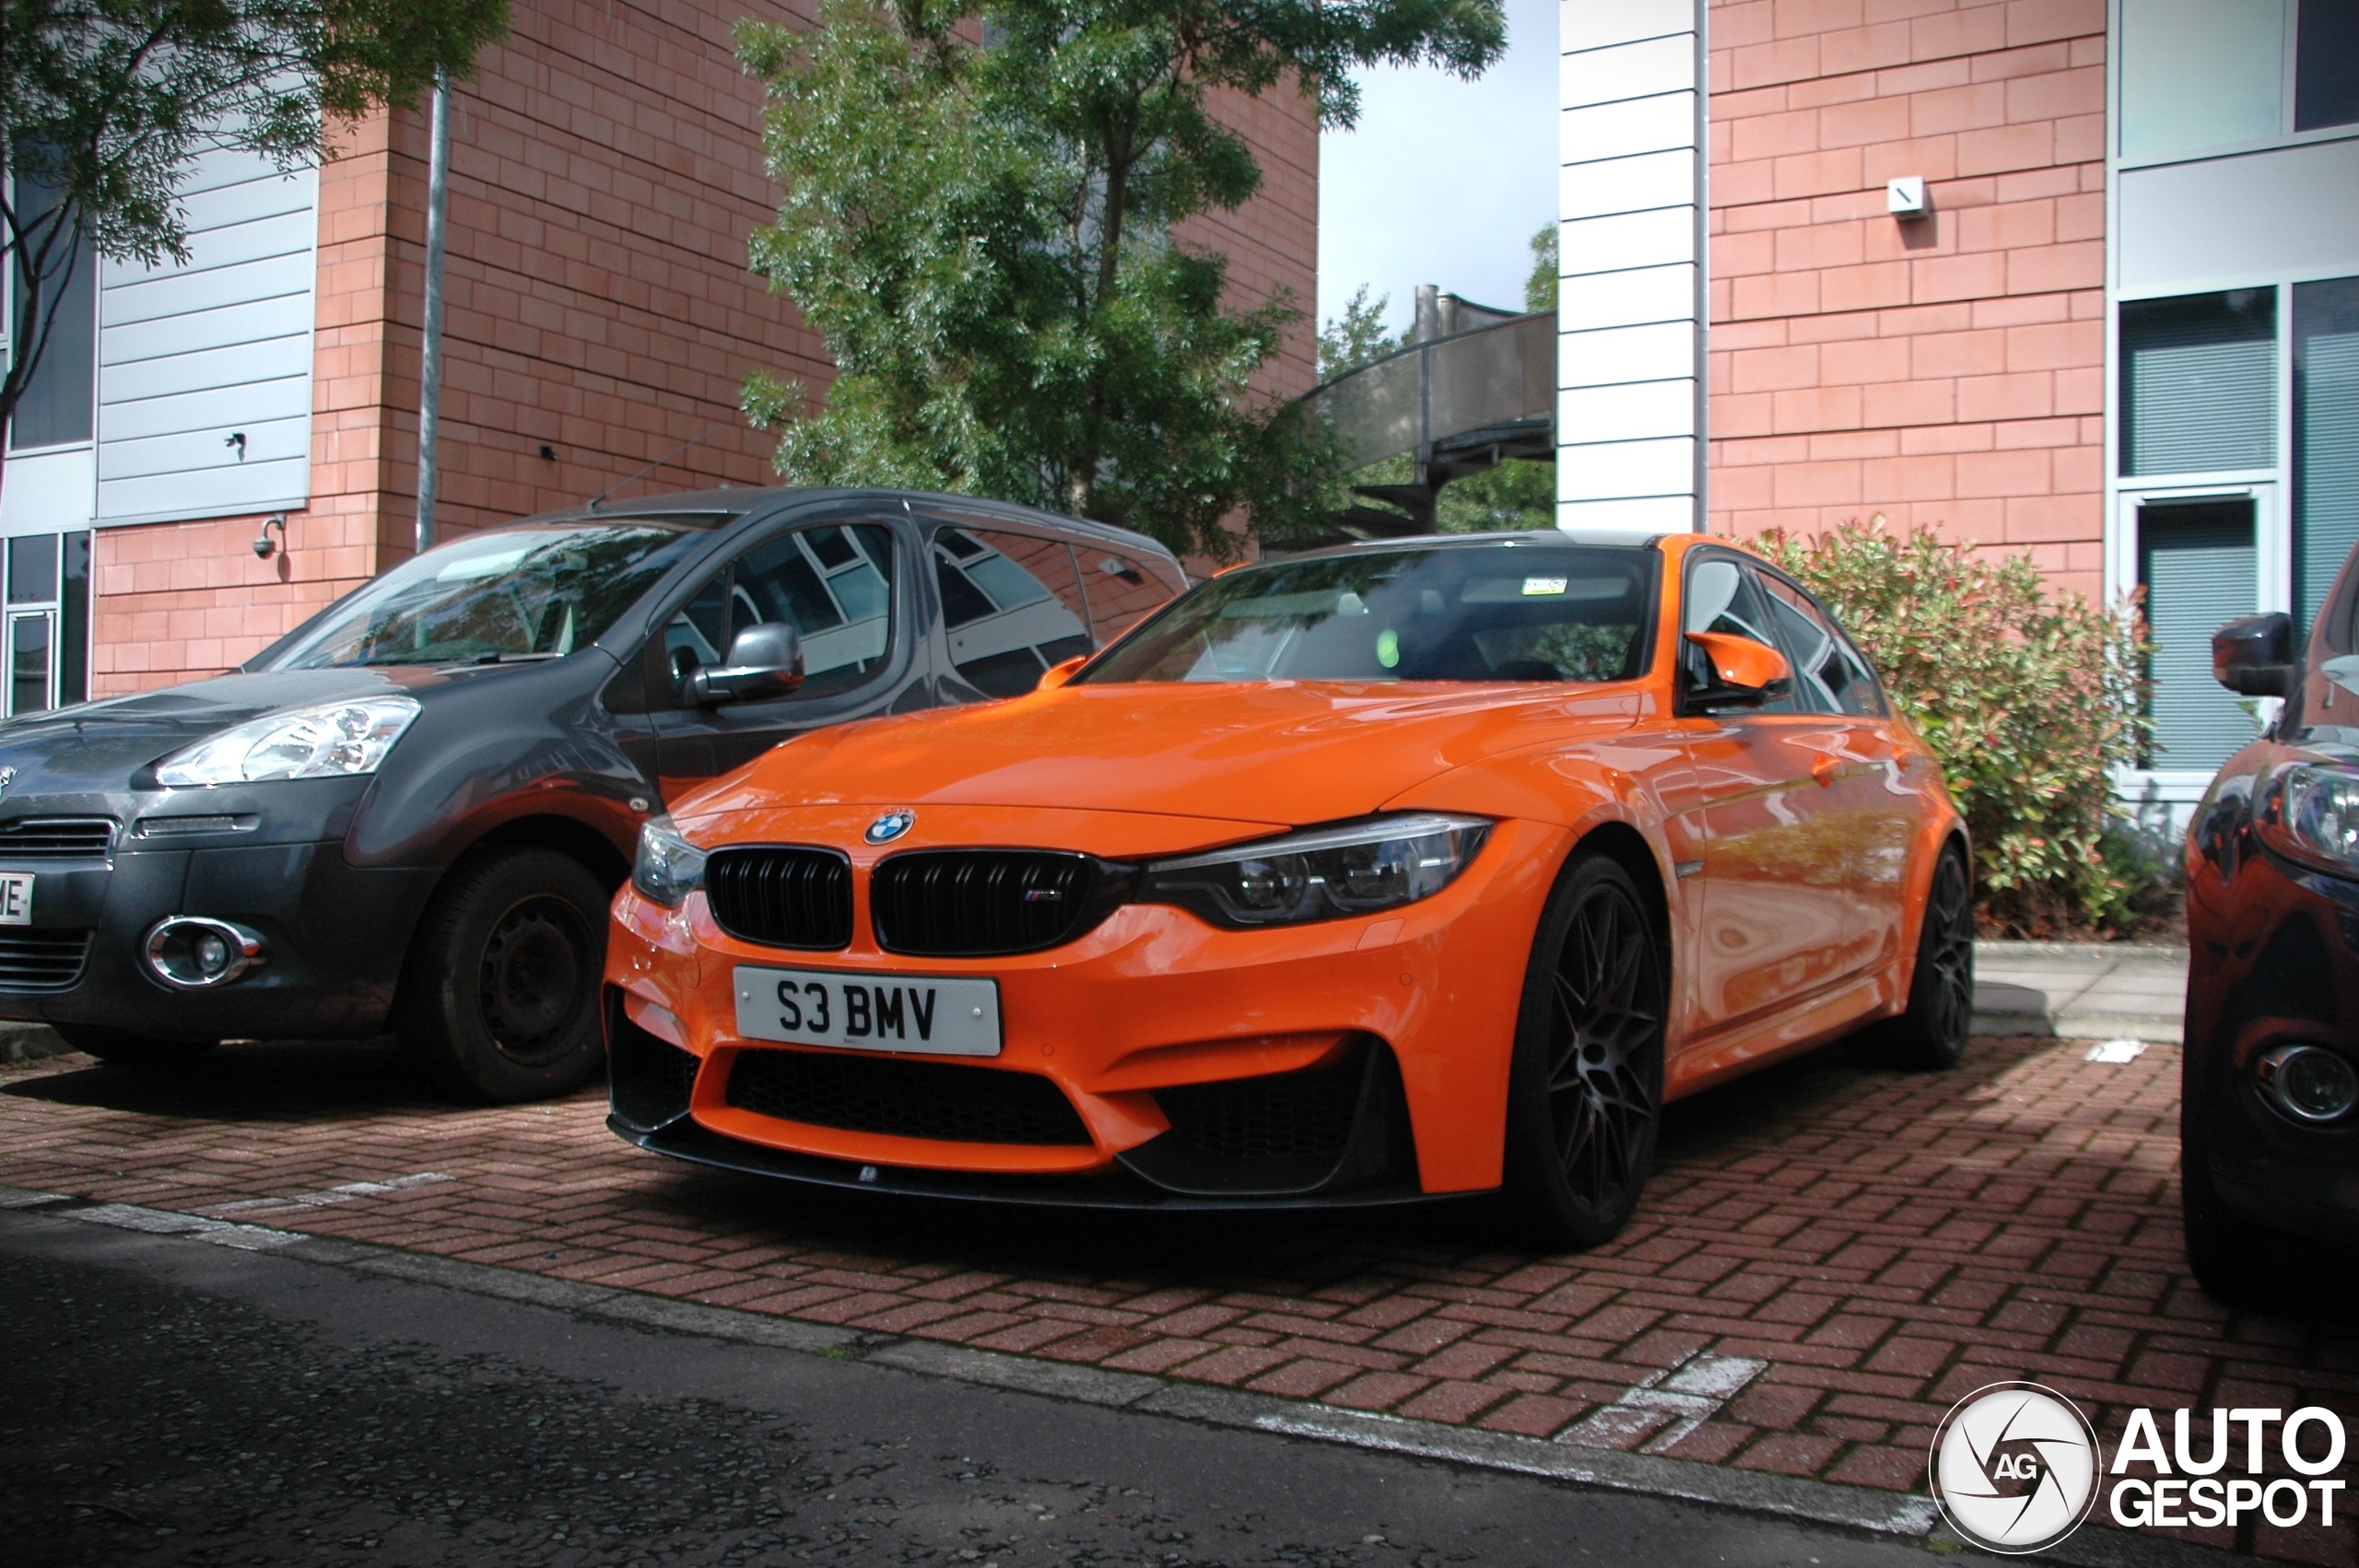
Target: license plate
820	1007
15	898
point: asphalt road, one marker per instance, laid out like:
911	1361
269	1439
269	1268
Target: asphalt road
170	1402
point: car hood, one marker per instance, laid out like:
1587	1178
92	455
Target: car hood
100	746
1283	752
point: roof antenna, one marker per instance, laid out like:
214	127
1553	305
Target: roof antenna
659	462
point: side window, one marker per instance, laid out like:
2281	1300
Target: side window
833	585
1723	596
1011	605
1123	591
1829	674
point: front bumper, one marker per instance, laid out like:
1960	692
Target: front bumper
2274	960
1421	1002
336	933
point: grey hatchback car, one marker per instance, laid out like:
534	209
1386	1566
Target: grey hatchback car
411	811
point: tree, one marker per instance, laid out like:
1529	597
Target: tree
104	102
1357	337
981	202
1540	287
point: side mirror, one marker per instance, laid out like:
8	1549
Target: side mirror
1056	676
765	660
2254	657
1744	672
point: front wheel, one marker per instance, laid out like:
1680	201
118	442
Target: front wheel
120	1048
502	997
1585	1085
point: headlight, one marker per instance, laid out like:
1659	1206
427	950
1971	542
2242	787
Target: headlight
1323	875
2310	811
669	868
331	740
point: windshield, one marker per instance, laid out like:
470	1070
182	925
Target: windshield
516	593
1515	611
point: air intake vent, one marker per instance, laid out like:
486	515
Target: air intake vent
1281	1115
905	1099
648	1081
781	897
41	960
55	839
982	903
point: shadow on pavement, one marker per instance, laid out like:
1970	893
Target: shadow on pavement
251	1080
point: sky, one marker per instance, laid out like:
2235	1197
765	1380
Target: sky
1442	180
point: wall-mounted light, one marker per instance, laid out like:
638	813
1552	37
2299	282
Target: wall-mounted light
1905	197
236	439
548	452
262	544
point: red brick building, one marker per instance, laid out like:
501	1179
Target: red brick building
2065	277
605	172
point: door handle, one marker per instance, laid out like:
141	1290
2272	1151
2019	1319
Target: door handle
1825	769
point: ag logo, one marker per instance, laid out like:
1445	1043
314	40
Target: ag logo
2016	1468
889	827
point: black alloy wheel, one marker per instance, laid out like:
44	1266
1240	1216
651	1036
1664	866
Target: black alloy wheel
1585	1097
500	1000
1930	1036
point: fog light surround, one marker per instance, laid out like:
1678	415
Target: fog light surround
195	953
2310	1084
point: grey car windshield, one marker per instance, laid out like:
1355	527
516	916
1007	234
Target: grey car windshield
1514	612
512	593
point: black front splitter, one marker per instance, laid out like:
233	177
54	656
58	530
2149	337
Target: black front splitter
684	1139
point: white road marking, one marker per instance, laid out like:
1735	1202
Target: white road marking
332	1197
1676	1401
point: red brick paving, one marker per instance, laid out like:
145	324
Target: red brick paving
1886	1242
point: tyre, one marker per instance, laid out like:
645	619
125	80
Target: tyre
119	1047
1930	1036
501	999
1585	1084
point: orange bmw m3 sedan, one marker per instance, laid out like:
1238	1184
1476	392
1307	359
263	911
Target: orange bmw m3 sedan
1385	873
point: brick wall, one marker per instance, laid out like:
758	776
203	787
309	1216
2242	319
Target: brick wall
1947	371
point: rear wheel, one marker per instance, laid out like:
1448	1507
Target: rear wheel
1930	1036
1585	1087
120	1048
501	996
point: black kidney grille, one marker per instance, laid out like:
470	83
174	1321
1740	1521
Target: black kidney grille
781	897
905	1099
41	960
980	903
1270	1117
55	839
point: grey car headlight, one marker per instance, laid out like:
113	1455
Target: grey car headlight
1326	873
668	867
328	739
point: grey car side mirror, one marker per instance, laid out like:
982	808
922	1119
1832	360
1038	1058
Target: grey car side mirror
2254	656
765	660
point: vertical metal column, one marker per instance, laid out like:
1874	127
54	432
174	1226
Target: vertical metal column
429	367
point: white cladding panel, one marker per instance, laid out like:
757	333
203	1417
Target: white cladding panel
190	354
1628	305
2225	222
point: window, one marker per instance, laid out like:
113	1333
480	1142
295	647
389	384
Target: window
2325	438
1121	590
2196	562
1011	605
1829	674
2201	74
2325	65
49	621
833	585
2198	382
56	407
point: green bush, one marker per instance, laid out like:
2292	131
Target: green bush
2031	699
